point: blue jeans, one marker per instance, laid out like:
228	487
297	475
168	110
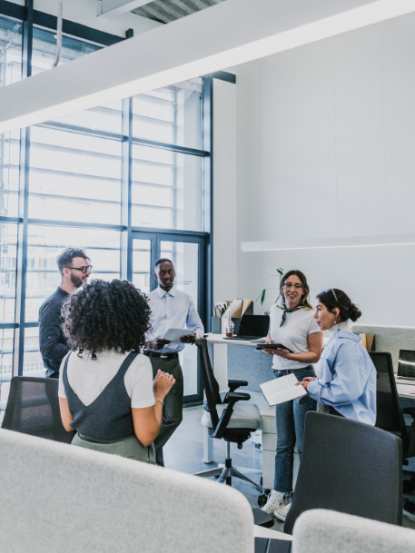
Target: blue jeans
290	417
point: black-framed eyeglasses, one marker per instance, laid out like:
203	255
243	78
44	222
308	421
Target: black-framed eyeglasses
84	269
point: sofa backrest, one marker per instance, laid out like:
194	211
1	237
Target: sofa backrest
58	497
322	531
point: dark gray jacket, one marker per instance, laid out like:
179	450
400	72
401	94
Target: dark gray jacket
51	339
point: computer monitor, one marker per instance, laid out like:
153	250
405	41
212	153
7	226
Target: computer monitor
254	325
406	365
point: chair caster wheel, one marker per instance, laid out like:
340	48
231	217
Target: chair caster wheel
240	446
262	499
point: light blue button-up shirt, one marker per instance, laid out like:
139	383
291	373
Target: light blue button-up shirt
347	378
173	309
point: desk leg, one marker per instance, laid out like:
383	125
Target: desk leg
207	446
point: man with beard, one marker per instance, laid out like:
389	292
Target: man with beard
74	267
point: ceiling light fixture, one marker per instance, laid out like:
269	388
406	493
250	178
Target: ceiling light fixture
324	243
224	35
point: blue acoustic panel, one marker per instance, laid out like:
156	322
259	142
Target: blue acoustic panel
246	363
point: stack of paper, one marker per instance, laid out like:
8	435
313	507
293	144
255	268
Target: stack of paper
282	389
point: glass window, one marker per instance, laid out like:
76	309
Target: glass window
8	253
74	177
141	265
32	359
172	115
167	189
45	243
6	363
10	72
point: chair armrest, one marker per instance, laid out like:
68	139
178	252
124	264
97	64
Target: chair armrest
233	397
237	396
233	384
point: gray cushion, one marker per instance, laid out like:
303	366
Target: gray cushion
322	531
62	498
245	415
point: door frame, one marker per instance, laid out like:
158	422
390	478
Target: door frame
156	236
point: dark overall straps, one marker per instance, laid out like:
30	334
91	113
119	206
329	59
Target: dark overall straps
108	418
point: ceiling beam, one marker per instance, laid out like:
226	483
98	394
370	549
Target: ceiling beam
225	35
117	7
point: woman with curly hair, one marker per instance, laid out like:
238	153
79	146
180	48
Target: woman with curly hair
106	388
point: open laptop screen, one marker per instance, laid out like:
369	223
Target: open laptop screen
254	325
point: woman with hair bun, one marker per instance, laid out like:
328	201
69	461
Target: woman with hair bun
347	382
106	388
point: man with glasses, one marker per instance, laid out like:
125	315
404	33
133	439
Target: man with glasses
74	268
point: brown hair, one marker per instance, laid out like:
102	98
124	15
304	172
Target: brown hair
306	288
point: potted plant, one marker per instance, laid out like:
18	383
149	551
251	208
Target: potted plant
262	295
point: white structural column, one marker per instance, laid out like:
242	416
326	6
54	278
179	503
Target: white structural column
228	34
115	7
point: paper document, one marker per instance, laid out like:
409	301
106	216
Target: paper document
174	334
282	389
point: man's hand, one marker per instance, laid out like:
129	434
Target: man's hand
158	344
189	339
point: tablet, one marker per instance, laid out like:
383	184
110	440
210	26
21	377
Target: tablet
272	346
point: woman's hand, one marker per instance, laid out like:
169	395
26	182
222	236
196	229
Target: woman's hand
280	352
162	384
306	381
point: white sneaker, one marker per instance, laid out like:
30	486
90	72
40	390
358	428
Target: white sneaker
274	502
281	513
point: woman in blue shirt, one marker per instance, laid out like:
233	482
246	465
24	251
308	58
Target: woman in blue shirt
347	381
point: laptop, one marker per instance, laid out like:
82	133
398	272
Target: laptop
406	366
252	327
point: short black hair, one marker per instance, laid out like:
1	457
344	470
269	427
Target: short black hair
163	260
104	316
65	258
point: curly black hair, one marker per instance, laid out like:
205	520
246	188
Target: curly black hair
106	316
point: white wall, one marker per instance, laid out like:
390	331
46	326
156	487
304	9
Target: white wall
326	148
85	12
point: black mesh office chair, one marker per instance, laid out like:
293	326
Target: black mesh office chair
227	419
389	411
33	408
346	466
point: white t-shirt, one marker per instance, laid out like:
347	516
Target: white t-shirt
292	334
88	377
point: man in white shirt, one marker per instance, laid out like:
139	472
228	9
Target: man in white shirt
170	308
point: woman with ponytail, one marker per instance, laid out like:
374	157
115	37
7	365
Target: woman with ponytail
347	382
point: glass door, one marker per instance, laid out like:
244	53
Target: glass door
189	255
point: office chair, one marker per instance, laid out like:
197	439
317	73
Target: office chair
227	419
33	408
389	411
346	466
